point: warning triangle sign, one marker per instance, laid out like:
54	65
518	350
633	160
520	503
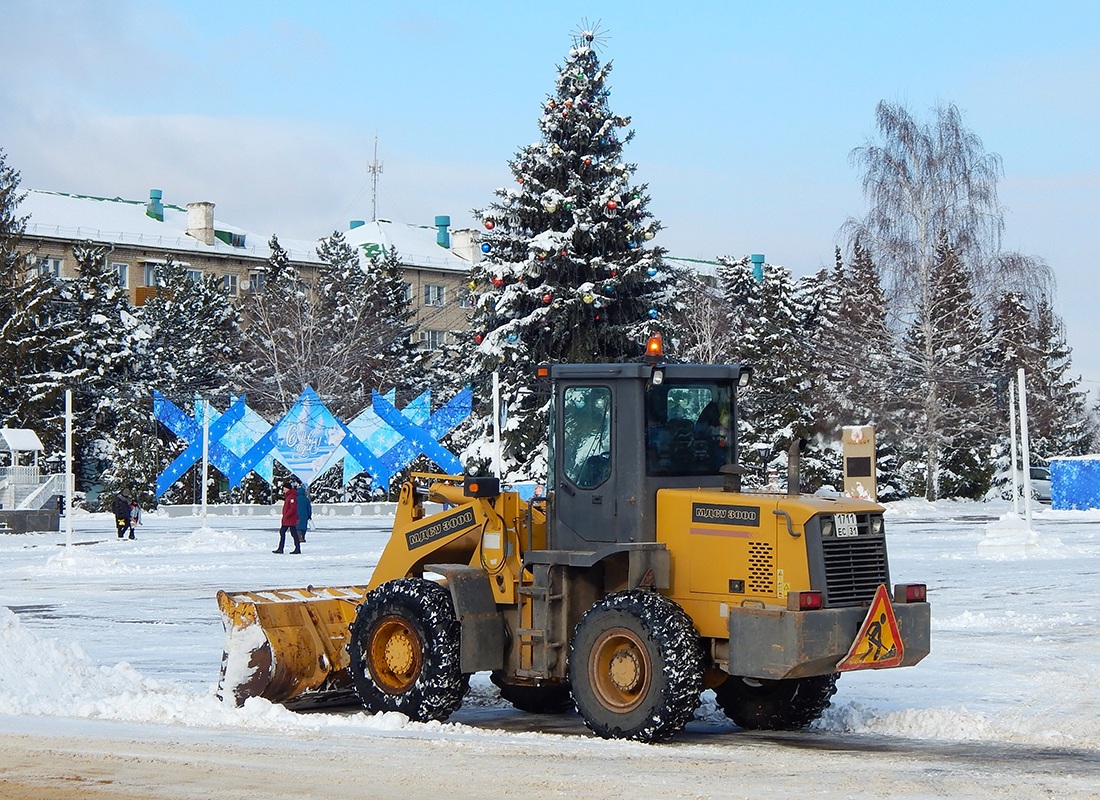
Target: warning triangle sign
878	643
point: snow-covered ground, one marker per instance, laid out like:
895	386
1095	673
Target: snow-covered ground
111	639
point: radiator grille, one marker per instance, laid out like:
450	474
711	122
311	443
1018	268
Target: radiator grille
854	566
761	568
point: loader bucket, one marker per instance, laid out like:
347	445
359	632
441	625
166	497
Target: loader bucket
289	645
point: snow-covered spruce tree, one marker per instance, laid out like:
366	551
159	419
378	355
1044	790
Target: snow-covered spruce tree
855	363
568	275
113	422
193	351
33	334
765	323
1059	423
194	336
953	409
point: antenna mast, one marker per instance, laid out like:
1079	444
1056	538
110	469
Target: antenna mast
375	169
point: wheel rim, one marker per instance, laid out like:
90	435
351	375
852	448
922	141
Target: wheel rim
620	669
396	655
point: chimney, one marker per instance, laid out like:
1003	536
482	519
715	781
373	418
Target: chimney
200	222
443	236
154	208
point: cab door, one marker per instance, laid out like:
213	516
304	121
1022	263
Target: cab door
584	501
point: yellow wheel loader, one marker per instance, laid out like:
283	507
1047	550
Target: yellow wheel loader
645	575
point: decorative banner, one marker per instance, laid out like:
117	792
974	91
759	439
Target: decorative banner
309	439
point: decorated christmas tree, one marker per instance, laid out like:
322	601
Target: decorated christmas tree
568	273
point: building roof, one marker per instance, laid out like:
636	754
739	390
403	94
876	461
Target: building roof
114	220
22	440
417	245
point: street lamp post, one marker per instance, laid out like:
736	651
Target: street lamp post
764	450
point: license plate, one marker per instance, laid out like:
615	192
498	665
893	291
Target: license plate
846	525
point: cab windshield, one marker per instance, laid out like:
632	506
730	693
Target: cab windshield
688	428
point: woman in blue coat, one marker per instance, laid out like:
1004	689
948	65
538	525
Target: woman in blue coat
305	512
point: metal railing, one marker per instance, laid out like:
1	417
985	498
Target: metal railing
54	484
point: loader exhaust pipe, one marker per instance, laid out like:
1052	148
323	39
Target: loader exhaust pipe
794	453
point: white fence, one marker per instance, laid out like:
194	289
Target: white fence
319	510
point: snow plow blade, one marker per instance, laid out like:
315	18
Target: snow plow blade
289	645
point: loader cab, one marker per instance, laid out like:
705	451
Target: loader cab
621	432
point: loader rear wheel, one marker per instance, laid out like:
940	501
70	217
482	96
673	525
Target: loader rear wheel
636	667
405	651
546	698
786	705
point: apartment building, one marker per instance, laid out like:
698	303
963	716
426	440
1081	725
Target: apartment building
140	234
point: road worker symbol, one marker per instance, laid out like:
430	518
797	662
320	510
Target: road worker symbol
878	643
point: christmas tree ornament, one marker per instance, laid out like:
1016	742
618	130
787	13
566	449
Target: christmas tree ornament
547	298
511	338
612	205
568	206
541	255
588	298
607	287
486	247
653	313
588	162
651	272
472	285
489	224
498	281
479	338
648	235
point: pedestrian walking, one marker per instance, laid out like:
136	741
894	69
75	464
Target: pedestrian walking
120	507
135	517
289	519
305	512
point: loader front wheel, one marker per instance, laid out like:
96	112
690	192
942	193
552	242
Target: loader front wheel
405	651
787	705
636	667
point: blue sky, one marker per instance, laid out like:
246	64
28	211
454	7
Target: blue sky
745	113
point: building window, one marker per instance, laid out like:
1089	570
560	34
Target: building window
407	295
49	266
435	295
466	299
256	282
194	275
433	339
123	273
229	284
150	274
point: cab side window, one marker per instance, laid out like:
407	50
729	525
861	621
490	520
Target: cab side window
586	439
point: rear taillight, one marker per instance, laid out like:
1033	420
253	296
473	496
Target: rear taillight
804	601
910	593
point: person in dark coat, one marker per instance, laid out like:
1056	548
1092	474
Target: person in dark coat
305	512
120	507
289	523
